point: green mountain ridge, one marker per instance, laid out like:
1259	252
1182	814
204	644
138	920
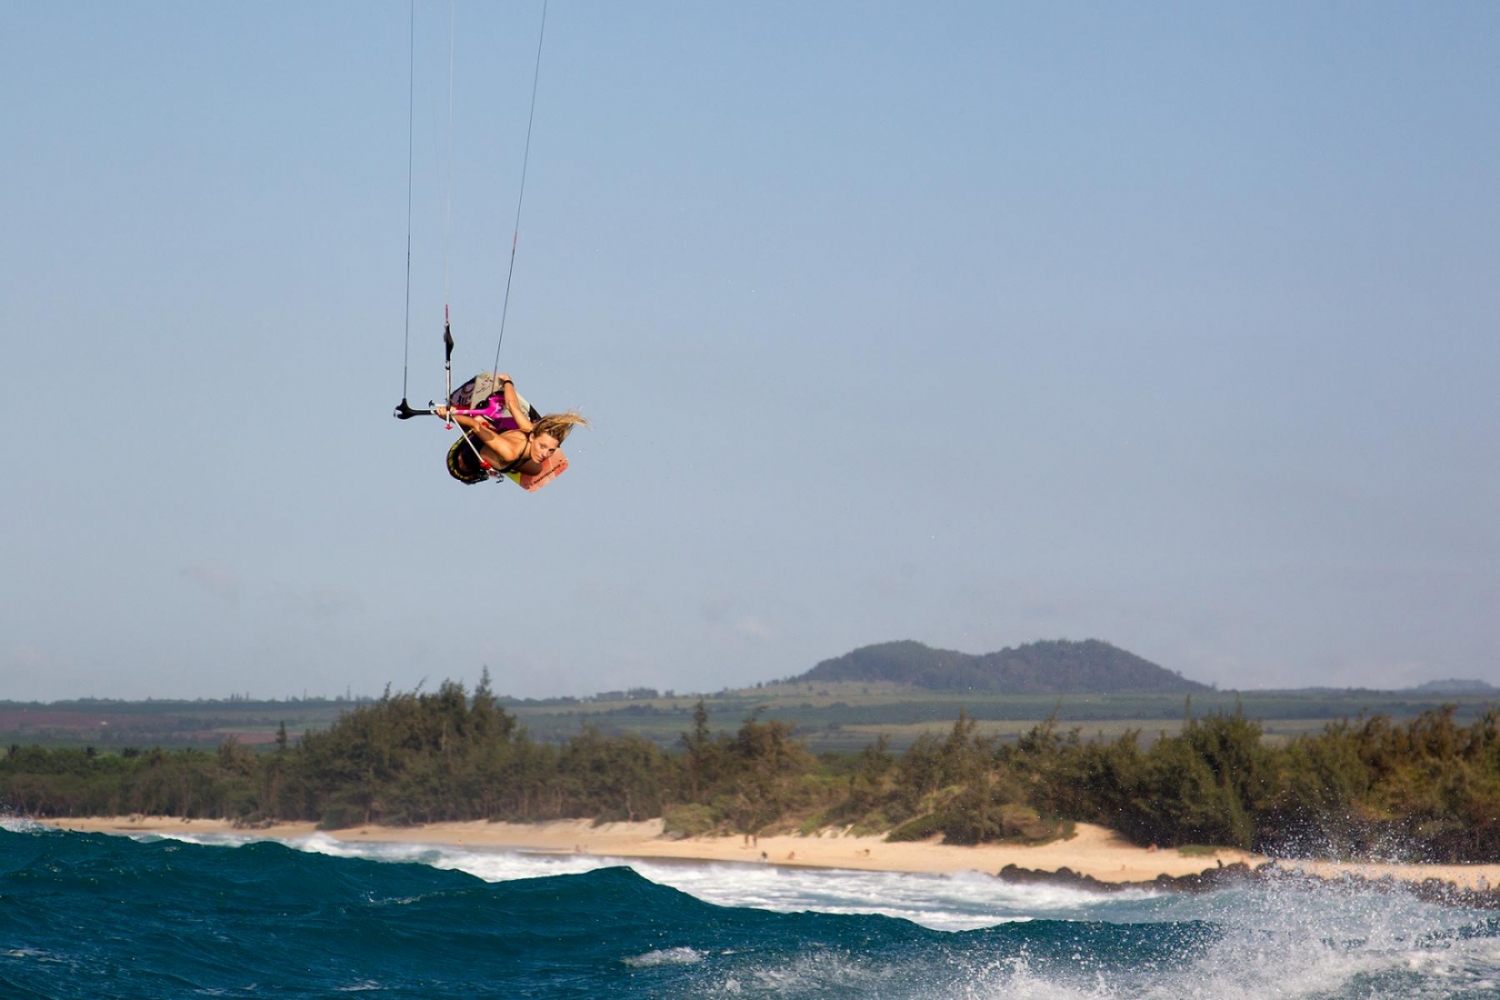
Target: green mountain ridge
1048	667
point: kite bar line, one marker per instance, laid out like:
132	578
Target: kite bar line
448	178
520	198
405	411
411	99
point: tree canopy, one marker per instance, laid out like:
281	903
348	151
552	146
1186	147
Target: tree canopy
1429	789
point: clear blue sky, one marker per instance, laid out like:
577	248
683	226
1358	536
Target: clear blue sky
1172	325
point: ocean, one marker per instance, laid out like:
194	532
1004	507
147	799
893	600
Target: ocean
93	916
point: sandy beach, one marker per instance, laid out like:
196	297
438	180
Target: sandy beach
1094	851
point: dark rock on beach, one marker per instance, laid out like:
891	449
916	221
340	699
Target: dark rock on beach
1430	890
1213	878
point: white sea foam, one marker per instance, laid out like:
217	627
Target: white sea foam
817	973
666	956
20	824
943	902
964	901
1285	940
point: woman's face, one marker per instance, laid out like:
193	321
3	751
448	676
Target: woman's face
543	447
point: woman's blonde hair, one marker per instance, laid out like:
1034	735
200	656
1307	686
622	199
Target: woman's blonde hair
559	424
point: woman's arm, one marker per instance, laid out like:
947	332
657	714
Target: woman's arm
506	445
513	404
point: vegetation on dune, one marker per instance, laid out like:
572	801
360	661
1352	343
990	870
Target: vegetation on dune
1427	789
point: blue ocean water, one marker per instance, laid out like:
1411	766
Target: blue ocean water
95	916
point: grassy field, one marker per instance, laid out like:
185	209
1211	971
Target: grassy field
831	717
116	725
850	716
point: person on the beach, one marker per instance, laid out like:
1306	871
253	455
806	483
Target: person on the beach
486	450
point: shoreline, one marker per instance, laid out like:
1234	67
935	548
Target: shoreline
1094	854
1093	850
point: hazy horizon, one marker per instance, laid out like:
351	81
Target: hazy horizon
431	684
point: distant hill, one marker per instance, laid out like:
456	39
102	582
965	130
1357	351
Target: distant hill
1054	667
1455	687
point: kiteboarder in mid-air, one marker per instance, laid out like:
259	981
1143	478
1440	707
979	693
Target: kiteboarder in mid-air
503	435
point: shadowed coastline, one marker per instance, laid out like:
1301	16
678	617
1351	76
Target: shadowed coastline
1240	874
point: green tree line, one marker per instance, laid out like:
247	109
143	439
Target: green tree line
1427	789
